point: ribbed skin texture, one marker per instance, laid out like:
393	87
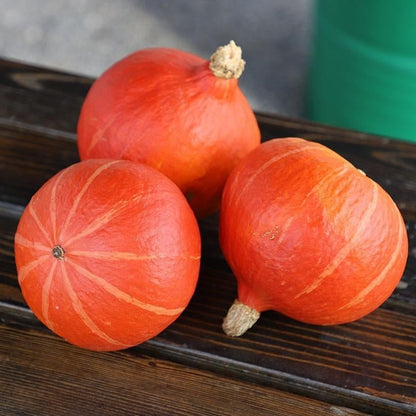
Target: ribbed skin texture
309	235
108	253
166	108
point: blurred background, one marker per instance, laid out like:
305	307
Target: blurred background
348	63
87	36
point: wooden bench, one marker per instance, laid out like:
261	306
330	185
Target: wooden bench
280	367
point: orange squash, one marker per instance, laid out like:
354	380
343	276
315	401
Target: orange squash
183	115
107	253
308	235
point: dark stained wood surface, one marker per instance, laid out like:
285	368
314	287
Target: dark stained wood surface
97	384
279	367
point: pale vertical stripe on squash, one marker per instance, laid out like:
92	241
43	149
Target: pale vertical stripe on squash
81	193
39	224
123	296
125	255
46	288
270	162
24	242
379	279
28	267
78	308
97	223
53	206
346	249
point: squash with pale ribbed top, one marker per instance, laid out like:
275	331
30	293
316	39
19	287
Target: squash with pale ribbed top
108	253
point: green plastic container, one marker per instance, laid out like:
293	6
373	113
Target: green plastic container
363	66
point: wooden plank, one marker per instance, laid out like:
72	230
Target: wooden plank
336	364
46	376
28	159
43	99
367	365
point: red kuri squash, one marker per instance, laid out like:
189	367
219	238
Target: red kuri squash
308	235
175	111
107	253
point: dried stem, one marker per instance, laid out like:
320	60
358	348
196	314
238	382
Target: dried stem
226	61
239	319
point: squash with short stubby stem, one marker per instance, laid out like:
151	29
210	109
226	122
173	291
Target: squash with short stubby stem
183	115
308	235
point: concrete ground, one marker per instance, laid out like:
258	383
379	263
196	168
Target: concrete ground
87	36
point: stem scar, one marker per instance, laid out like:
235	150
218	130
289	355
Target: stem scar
58	252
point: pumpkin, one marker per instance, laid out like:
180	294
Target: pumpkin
183	115
308	235
107	253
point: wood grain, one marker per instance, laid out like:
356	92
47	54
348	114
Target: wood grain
41	368
368	365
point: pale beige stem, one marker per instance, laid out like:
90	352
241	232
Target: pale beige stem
226	61
239	319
